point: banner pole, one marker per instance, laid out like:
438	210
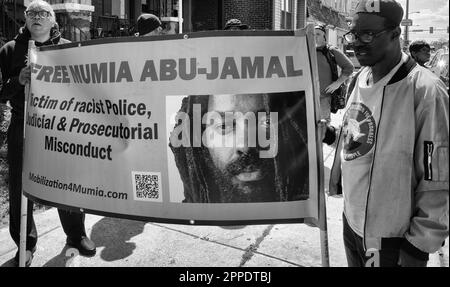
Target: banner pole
324	239
24	200
323	213
23	230
322	220
180	16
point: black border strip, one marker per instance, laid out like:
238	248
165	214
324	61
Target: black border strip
203	34
166	220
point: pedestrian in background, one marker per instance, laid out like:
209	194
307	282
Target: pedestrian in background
420	52
329	58
148	25
42	28
235	25
391	160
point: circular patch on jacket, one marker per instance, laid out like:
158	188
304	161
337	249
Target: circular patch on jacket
359	131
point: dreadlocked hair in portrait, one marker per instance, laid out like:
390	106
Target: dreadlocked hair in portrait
187	158
291	163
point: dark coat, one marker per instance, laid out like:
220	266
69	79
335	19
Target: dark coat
13	58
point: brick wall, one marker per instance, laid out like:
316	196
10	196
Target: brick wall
101	8
256	13
277	15
298	11
205	15
98	9
259	14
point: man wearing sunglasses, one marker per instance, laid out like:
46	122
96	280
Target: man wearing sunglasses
391	160
42	28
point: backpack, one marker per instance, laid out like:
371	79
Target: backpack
338	97
331	59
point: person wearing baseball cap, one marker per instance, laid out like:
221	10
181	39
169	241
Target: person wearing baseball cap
235	24
390	157
148	25
380	22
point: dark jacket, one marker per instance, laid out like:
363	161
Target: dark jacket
13	57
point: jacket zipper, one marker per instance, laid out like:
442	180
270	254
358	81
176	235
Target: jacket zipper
371	172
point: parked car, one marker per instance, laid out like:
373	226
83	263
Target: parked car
439	65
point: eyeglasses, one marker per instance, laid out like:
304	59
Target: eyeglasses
366	37
42	14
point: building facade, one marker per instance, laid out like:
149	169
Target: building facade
74	18
11	17
333	14
200	15
342	6
81	20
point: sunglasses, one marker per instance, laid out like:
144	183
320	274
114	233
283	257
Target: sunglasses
41	14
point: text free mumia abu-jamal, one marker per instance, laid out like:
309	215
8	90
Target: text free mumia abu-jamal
258	67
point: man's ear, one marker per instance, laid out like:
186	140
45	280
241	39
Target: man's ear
396	33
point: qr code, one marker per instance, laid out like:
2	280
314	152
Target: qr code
147	186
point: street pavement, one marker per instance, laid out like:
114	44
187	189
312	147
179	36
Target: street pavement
128	243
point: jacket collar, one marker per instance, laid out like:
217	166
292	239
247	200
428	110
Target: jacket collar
403	71
24	35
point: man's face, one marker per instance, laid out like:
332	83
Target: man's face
369	54
39	20
422	56
320	38
234	28
169	29
248	177
155	32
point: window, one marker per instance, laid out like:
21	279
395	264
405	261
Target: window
71	30
286	5
160	8
286	14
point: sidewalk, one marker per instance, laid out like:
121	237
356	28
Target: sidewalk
131	243
122	242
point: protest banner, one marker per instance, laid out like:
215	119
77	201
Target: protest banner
207	128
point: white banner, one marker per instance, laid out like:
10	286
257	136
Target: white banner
209	127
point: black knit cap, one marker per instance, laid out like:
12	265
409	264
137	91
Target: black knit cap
391	10
235	23
146	23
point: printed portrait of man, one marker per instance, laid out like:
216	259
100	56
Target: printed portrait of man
242	148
